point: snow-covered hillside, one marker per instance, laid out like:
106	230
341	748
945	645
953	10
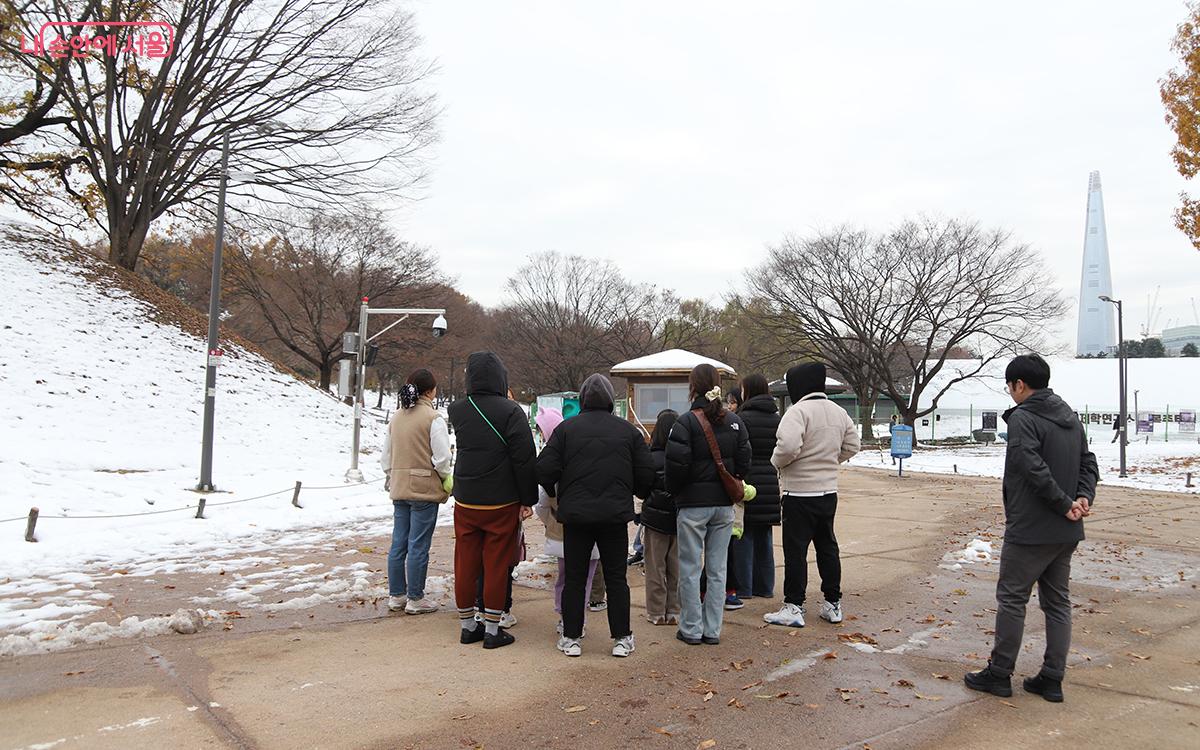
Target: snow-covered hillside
102	416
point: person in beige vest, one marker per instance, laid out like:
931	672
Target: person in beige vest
416	458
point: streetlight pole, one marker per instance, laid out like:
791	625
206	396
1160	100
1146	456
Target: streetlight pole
1122	377
214	319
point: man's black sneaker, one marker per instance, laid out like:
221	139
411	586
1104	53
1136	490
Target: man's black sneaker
637	558
1042	685
473	636
988	681
501	638
689	641
710	640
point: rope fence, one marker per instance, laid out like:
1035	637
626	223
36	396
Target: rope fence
34	514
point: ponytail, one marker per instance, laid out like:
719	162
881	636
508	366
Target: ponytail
705	383
419	382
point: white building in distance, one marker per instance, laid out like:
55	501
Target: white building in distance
1097	331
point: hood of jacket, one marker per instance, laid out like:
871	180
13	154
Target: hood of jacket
805	379
547	420
1047	405
763	402
597	394
486	375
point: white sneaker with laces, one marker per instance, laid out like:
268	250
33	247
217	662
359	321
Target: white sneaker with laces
623	646
831	612
570	646
791	615
507	620
422	607
396	603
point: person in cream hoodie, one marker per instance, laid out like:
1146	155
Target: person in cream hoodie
814	436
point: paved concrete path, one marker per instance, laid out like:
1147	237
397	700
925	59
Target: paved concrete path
349	675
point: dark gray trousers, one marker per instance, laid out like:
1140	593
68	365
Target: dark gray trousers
1021	566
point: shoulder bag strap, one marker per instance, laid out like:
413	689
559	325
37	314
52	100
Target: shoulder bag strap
727	479
485	419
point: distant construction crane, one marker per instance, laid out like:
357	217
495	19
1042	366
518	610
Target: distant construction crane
1153	311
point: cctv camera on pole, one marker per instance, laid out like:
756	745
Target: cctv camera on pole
360	347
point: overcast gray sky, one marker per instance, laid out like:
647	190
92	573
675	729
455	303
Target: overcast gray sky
680	138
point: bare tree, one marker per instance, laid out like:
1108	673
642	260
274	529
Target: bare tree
123	140
888	312
959	286
830	297
306	282
566	317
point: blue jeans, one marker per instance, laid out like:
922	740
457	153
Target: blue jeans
408	558
703	543
753	560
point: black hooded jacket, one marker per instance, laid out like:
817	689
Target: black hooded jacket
760	414
494	465
691	474
595	461
658	512
804	379
1047	465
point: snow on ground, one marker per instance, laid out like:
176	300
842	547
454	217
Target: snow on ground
1152	466
103	410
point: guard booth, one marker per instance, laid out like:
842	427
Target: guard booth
660	381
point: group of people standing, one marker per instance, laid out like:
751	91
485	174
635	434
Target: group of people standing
709	488
714	481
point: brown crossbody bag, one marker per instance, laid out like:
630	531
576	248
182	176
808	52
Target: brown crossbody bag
734	487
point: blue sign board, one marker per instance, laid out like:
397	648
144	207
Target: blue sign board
902	441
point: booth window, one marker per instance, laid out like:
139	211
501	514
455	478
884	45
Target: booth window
651	399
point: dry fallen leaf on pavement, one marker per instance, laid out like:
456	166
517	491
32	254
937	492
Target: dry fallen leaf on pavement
940	676
663	730
928	697
462	717
756	683
735	703
575	709
903	683
706	745
1010	705
830	655
812	705
1139	656
708	696
857	638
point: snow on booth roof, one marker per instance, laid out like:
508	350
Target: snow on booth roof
670	361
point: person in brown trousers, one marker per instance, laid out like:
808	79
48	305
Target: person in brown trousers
494	477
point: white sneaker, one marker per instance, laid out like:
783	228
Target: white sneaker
623	647
559	629
422	607
396	603
507	620
791	615
831	612
570	646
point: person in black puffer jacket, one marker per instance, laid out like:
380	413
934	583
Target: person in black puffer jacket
494	476
594	464
658	533
753	554
705	510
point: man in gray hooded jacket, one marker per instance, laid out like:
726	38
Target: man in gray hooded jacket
1049	486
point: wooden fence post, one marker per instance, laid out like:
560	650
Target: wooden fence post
32	523
296	495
